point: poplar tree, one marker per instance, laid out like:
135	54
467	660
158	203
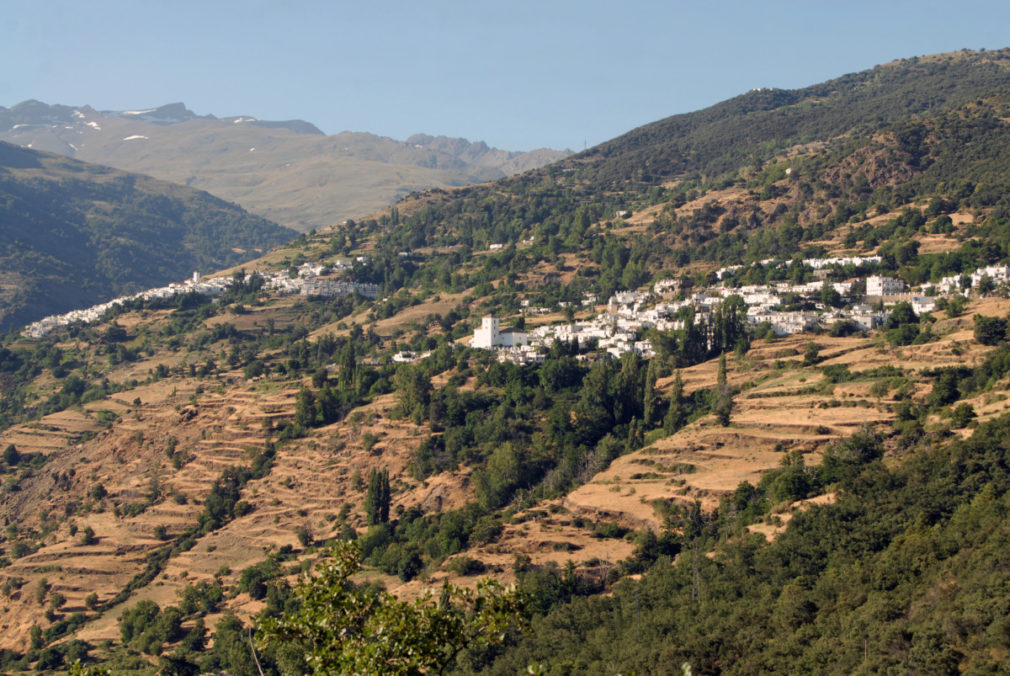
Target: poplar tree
675	415
722	404
649	399
377	497
348	365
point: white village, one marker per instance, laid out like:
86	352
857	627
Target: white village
309	281
620	327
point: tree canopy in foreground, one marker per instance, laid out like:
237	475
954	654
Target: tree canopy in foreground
349	629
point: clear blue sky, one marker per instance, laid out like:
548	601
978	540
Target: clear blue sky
517	74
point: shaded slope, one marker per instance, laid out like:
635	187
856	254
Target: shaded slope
76	234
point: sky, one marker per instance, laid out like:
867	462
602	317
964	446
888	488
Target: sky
518	75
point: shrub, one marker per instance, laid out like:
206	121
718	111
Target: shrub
89	537
467	565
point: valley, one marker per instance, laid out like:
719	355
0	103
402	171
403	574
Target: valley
727	391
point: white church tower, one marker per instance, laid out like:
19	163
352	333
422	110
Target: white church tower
488	335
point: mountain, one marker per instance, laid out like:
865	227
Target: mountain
75	234
727	449
479	154
288	171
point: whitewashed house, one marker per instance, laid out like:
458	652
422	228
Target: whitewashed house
877	285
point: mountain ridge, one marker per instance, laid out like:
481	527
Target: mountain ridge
288	171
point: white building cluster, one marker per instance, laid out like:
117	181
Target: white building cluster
214	286
998	274
618	330
308	283
333	288
815	263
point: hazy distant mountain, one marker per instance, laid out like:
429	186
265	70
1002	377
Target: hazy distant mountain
74	234
479	154
287	171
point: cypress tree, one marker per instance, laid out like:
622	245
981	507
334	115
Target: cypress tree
675	415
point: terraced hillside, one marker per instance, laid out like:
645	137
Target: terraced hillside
768	495
158	448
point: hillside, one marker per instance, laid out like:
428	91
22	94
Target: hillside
75	234
286	171
755	418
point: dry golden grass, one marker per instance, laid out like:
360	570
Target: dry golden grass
780	407
777	410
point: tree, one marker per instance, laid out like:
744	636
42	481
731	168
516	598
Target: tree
11	456
990	330
830	296
345	629
650	399
676	415
945	389
414	388
36	637
962	414
377	498
812	354
955	306
348	365
722	404
594	412
305	408
507	469
901	313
